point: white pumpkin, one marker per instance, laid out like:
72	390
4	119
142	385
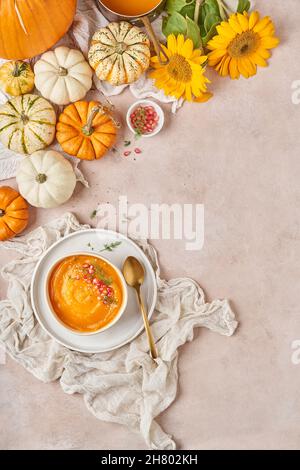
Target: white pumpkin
63	75
27	123
46	179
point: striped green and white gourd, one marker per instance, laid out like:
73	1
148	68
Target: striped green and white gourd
27	124
120	53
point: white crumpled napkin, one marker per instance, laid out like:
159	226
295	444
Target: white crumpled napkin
123	386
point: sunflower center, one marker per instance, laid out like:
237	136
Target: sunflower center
179	68
243	44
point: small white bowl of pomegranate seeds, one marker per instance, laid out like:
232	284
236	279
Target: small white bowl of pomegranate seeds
145	118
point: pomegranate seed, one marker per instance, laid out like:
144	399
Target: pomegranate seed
137	150
127	153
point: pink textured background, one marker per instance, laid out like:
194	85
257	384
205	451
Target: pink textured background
239	155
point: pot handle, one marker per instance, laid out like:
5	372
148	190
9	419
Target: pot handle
158	49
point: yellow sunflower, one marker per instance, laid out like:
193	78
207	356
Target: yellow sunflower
242	43
183	76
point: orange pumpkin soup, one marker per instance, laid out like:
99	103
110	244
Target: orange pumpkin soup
85	292
131	7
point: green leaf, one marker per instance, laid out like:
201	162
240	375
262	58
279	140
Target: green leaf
212	7
188	10
210	21
174	24
175	5
243	5
110	246
210	17
209	8
193	32
210	34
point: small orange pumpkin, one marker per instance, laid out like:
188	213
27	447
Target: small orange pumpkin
14	213
86	130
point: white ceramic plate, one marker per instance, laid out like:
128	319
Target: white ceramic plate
129	325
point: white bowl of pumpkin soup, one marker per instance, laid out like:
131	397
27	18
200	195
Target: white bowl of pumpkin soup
86	293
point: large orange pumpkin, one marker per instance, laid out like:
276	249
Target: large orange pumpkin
30	27
13	213
86	130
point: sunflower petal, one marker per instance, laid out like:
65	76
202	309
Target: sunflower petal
154	61
243	20
225	30
233	69
187	49
203	98
257	59
254	19
172	43
269	42
188	92
235	25
225	67
180	42
242	69
250	66
220	65
262	24
166	51
215	57
264	53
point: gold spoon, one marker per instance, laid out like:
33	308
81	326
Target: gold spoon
134	275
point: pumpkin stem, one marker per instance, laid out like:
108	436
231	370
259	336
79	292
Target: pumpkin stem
2	212
62	71
24	118
121	47
41	178
17	70
88	128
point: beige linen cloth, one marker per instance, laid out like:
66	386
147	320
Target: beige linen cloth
123	386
